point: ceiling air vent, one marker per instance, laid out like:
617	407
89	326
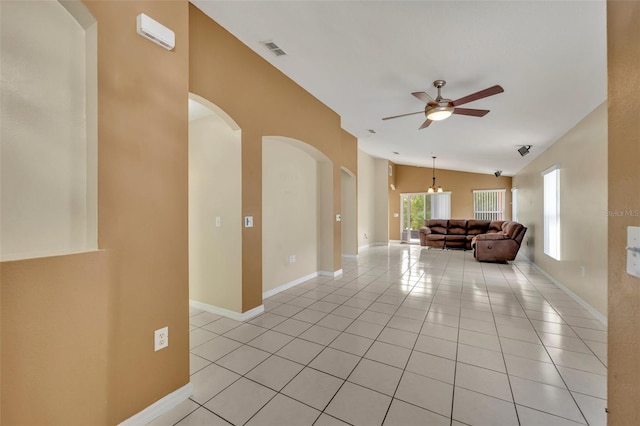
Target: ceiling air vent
273	48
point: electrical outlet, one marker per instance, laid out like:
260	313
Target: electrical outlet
161	338
292	258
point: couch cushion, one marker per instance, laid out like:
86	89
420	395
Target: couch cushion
475	227
438	226
495	226
512	229
457	227
435	237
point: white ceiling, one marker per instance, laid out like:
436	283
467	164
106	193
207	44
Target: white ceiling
364	58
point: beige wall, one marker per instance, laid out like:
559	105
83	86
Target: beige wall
581	155
623	32
77	330
215	264
290	213
411	179
48	167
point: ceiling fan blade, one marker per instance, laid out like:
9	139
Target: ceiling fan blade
403	115
424	97
425	124
493	90
470	111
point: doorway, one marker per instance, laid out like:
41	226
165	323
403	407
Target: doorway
418	207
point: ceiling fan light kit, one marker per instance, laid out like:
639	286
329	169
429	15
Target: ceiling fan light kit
440	108
433	188
439	112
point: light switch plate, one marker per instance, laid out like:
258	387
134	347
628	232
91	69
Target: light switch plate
633	251
248	221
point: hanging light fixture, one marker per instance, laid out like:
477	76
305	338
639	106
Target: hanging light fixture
433	188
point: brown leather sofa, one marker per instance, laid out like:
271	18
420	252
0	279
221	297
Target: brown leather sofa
491	241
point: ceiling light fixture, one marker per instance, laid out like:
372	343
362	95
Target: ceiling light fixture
438	113
433	188
524	150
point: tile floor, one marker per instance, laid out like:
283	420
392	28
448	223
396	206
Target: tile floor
406	336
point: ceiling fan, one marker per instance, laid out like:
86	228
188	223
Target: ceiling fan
440	108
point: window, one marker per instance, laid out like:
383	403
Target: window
514	204
551	209
488	204
441	205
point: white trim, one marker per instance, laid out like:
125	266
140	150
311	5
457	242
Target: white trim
350	256
570	293
330	274
362	248
160	407
245	316
286	286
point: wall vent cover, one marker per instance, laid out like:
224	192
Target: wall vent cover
273	48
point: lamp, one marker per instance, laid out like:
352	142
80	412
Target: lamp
524	150
440	112
433	188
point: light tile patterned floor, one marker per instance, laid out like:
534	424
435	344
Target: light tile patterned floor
406	336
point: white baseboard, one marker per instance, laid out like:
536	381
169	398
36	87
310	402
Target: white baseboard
365	247
244	316
570	293
350	256
159	407
330	274
288	285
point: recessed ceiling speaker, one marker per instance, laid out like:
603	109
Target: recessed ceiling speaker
153	30
524	150
498	173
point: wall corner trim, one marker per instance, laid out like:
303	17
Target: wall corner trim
244	316
160	407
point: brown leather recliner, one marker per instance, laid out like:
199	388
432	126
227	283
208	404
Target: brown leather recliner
500	246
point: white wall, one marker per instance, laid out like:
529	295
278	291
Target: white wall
290	218
582	157
349	214
325	217
215	190
48	134
381	190
366	200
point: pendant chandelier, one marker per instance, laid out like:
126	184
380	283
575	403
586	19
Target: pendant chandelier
433	188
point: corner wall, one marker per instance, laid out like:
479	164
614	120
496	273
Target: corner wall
411	179
264	102
582	157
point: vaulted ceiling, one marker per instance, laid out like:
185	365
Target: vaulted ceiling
364	58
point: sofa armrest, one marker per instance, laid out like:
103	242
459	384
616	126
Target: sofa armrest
491	237
424	231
